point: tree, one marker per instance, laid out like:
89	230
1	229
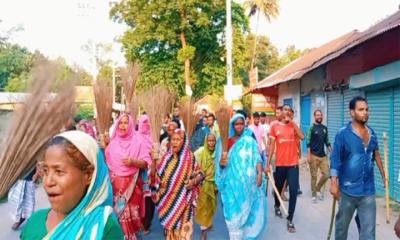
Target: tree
14	60
291	54
269	8
176	40
267	60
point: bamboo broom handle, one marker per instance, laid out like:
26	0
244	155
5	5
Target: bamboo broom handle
271	179
386	177
332	219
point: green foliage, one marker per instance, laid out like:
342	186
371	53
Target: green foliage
154	38
267	58
105	73
291	54
14	61
187	52
85	111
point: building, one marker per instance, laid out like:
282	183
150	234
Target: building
363	63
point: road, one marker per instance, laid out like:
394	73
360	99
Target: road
311	220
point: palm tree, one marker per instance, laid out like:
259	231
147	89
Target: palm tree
269	8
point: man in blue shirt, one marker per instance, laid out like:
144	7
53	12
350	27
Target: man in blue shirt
352	172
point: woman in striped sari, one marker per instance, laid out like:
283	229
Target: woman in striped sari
175	185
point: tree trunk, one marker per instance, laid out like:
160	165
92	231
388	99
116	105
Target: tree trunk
187	61
254	55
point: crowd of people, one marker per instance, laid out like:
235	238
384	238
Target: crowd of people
113	191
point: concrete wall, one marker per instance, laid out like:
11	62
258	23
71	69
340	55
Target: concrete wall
312	84
291	89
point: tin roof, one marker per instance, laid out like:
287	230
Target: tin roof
327	52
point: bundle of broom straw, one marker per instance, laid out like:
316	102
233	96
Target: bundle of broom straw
156	102
41	117
189	115
222	114
129	78
103	94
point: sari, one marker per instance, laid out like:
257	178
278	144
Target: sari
88	219
144	132
244	204
174	203
207	200
128	144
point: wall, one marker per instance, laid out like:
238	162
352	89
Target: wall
312	84
291	89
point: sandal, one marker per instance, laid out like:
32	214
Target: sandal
278	212
290	227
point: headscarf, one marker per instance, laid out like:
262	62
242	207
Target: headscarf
246	131
172	202
88	219
205	158
145	131
88	127
123	145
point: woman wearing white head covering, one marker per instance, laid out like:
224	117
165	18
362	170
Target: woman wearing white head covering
76	180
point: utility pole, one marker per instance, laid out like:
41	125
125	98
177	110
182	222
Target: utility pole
229	43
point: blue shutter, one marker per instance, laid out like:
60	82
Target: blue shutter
305	106
334	114
380	105
395	186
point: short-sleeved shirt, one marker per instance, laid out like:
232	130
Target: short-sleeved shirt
259	132
286	142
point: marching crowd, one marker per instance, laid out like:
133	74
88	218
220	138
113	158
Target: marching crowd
112	191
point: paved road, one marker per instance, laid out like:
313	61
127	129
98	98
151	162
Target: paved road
311	220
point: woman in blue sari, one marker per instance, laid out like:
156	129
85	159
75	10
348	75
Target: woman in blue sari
240	181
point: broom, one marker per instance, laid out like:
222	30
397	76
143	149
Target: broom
103	94
223	116
32	126
129	78
385	158
189	116
156	101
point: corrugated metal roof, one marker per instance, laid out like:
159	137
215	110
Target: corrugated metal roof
302	65
327	52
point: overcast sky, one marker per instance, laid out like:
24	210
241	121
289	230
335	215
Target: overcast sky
61	27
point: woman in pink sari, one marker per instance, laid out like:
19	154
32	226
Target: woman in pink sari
144	131
125	156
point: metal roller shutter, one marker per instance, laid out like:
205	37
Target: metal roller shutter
395	186
335	114
380	105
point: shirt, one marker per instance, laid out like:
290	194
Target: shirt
317	138
286	142
259	132
353	163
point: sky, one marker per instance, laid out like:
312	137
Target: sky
61	27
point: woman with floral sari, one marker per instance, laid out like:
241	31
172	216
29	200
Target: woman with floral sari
175	184
207	201
125	156
76	181
239	179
